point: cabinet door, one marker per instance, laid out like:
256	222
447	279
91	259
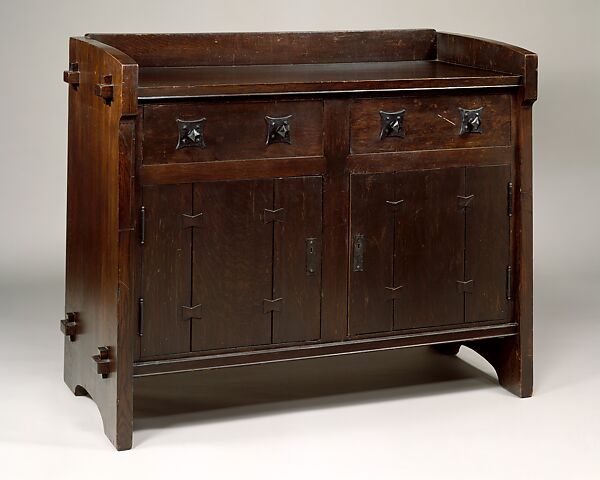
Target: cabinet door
297	259
371	308
256	262
166	270
429	249
232	264
487	248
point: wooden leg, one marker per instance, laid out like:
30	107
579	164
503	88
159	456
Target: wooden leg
112	395
447	348
512	361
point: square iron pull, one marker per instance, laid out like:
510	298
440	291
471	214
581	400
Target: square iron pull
191	133
392	124
470	120
278	129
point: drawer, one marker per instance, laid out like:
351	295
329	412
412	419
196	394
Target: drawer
430	122
231	130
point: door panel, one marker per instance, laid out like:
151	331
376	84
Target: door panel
166	263
232	264
299	317
429	252
370	309
487	237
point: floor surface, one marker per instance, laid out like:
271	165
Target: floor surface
403	414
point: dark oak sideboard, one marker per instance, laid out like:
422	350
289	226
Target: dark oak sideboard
244	198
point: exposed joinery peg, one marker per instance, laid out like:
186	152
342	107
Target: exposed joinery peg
68	325
71	76
102	361
105	89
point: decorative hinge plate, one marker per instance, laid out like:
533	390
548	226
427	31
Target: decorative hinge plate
277	215
187	313
394	205
464	201
272	305
393	293
465	287
509	282
192	221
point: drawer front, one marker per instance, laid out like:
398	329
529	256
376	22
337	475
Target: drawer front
214	131
430	123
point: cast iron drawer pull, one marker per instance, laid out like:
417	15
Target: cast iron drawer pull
392	124
191	133
278	129
470	120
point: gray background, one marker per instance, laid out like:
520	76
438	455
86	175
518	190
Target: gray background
439	415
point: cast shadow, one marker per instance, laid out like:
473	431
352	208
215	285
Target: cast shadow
252	391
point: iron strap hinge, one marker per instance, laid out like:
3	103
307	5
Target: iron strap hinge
142	225
509	282
509	199
141	317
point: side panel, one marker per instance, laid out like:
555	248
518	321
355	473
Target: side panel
487	248
300	289
232	264
372	231
430	248
166	269
98	280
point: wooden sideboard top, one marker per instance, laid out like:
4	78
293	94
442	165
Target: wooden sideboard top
158	82
221	64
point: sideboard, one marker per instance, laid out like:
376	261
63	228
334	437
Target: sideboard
244	198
